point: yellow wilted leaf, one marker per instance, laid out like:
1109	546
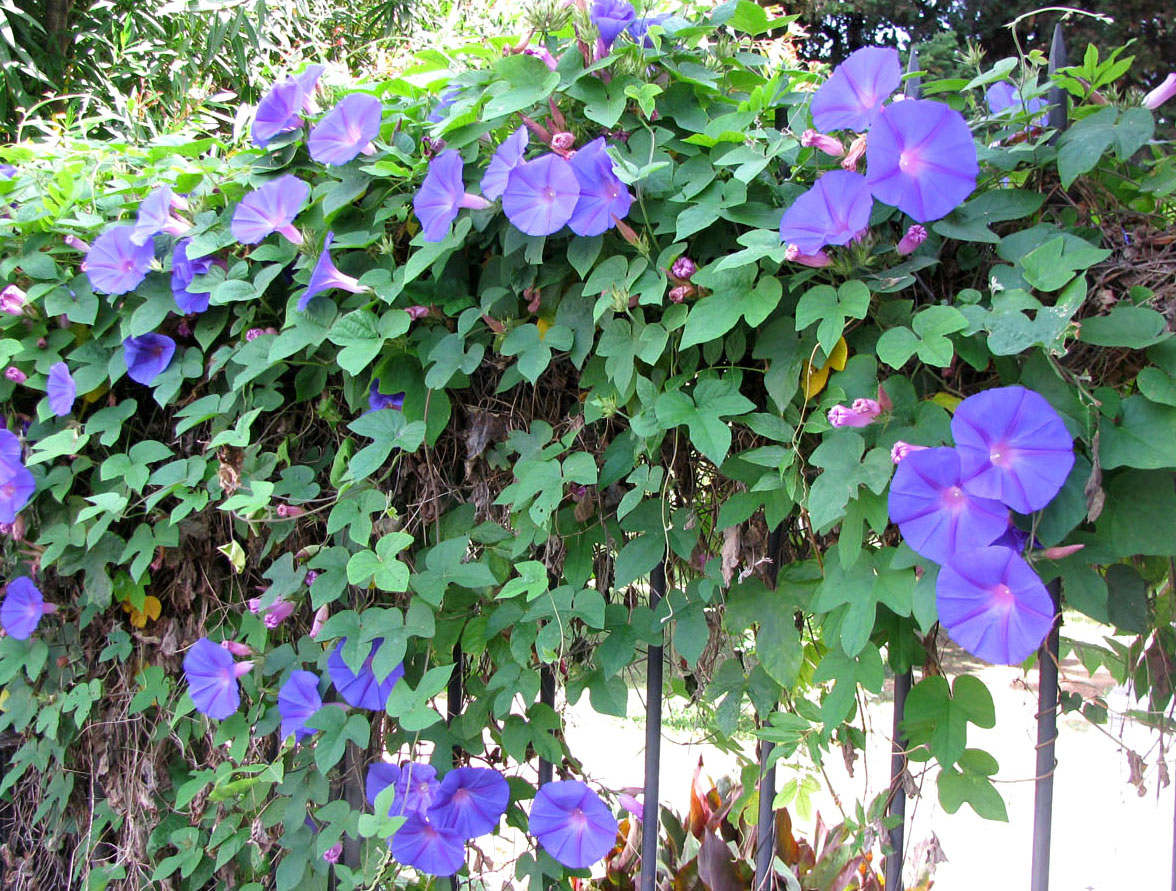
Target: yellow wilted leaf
947	401
814	379
152	609
95	395
4	699
543	325
839	356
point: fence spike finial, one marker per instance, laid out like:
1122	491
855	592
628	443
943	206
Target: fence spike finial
913	84
1059	99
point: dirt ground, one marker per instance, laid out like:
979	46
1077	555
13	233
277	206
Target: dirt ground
1106	835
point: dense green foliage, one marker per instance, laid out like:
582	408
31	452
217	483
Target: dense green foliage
566	428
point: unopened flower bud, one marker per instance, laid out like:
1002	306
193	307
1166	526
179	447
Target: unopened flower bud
42	343
830	145
15	375
242	668
417	312
252	334
683	269
857	148
320	619
819	260
1161	94
1060	552
680	293
914	237
12	300
77	244
311	575
562	141
332	854
860	414
278	613
183	329
254	605
901	449
237	649
287	511
884	399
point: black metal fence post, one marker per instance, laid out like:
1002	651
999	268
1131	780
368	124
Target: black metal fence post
651	816
547	697
902	680
1047	734
902	686
765	830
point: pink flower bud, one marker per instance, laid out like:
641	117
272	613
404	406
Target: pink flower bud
183	329
331	854
286	511
857	148
237	649
252	334
1161	94
12	300
77	244
627	232
562	141
320	619
1060	552
242	668
311	575
867	407
417	312
631	804
680	293
541	132
914	237
884	399
42	343
254	605
15	375
902	449
830	145
840	416
48	609
278	613
683	269
819	260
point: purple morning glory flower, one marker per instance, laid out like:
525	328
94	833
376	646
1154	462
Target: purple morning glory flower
936	514
278	112
442	195
470	801
572	824
115	264
428	848
833	211
155	216
920	158
325	276
639	30
603	198
1002	95
182	274
541	195
437	115
61	389
362	690
16	488
271	208
212	676
1013	447
993	604
611	17
378	400
507	158
10	451
147	356
347	130
380	775
852	97
308	82
297	700
7	171
22	609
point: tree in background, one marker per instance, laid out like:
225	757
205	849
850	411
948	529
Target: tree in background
943	28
